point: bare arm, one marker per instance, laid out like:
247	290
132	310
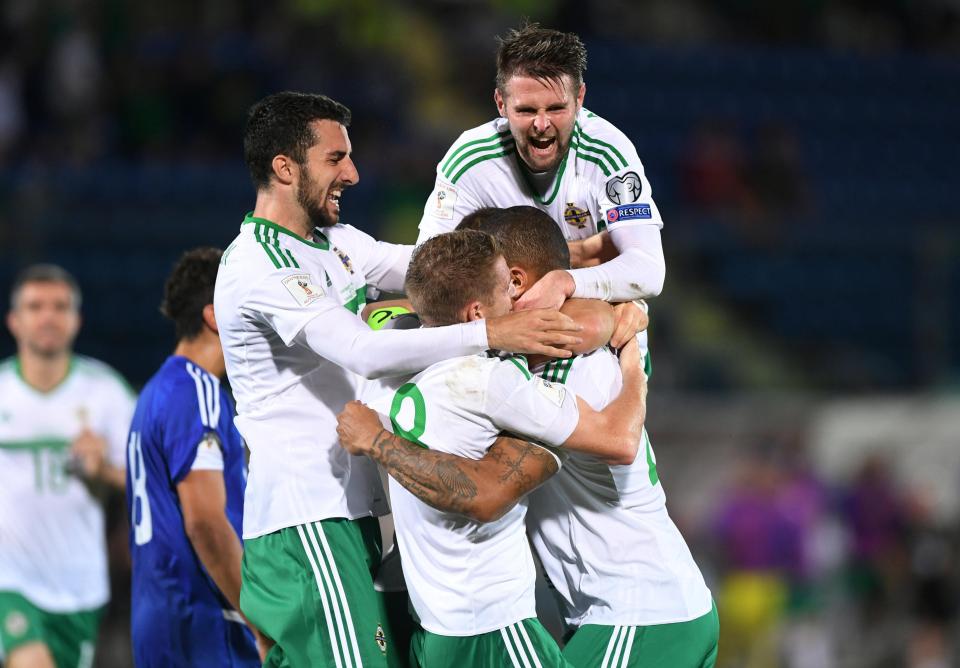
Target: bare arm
592	251
203	499
613	434
483	490
597	319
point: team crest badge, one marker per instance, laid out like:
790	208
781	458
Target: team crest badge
344	259
576	216
381	639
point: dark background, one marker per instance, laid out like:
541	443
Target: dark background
802	153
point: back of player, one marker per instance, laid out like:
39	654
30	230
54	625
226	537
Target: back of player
186	476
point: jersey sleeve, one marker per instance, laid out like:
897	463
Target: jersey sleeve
383	264
449	202
190	416
287	299
530	406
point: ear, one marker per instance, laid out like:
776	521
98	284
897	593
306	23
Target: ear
210	319
501	105
520	280
472	311
284	168
580	95
12	323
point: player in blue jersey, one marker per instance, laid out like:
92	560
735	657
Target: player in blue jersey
185	483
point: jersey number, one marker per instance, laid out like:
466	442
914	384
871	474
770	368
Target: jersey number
408	393
140	504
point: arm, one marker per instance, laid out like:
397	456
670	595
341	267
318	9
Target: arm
90	452
592	251
613	434
597	319
203	499
483	490
342	338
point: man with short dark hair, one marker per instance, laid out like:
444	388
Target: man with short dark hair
288	293
547	151
185	487
471	579
63	424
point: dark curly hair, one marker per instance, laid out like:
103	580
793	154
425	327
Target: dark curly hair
189	289
279	124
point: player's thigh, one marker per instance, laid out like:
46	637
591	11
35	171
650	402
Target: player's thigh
34	654
516	645
690	644
310	589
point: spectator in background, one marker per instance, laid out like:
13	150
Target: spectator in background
63	425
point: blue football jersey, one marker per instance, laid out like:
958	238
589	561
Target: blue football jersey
178	616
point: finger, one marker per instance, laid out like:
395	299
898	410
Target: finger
559	321
552	338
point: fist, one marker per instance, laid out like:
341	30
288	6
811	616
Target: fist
357	427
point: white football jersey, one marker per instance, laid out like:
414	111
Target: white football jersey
271	283
465	577
599	185
52	543
603	532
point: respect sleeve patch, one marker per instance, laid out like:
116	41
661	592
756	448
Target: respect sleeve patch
639	211
303	289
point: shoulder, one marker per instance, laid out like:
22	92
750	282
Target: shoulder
599	142
101	373
478	145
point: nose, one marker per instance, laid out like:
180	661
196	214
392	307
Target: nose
541	123
349	174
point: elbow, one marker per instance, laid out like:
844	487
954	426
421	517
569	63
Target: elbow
623	451
198	529
488	510
656	281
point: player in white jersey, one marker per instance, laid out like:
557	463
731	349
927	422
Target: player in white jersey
63	424
471	583
632	590
286	299
547	151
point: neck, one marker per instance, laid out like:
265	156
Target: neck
43	373
203	350
277	206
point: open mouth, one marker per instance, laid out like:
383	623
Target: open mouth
543	144
334	198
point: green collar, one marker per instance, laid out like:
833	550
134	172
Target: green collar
524	170
323	244
19	369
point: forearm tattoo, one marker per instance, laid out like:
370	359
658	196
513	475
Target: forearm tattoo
436	478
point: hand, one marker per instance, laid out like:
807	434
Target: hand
630	360
630	320
549	292
357	427
264	644
536	332
90	451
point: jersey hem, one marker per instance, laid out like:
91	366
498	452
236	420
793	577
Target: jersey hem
602	621
289	524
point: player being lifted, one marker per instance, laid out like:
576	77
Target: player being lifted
185	486
287	294
471	583
547	151
63	424
632	592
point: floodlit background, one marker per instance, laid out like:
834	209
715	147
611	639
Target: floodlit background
806	349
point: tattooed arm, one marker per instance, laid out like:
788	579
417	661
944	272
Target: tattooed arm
483	490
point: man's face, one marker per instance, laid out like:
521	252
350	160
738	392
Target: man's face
500	300
326	171
542	115
44	318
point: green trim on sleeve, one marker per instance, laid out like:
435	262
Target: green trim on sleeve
600	143
522	366
457	156
508	148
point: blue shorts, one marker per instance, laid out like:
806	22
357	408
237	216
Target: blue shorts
183	636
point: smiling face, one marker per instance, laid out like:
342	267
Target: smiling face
44	318
325	172
542	114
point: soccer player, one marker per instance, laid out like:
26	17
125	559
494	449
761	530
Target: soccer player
633	593
185	483
287	296
472	584
63	424
546	150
